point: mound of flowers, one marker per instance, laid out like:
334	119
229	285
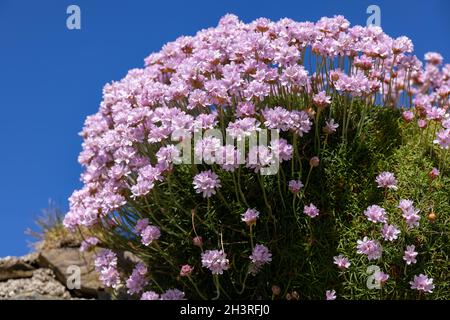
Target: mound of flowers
279	160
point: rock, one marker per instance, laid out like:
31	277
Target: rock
65	261
18	267
41	285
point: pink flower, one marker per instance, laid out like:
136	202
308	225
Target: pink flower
197	241
434	173
371	248
321	99
137	281
89	243
295	186
422	283
259	257
433	58
250	216
141	224
410	214
106	265
277	118
281	149
215	260
410	255
330	126
330	295
408	116
443	138
245	109
150	234
422	124
380	277
300	122
342	262
375	213
446	123
390	232
435	113
206	182
150	295
186	270
173	294
386	180
311	210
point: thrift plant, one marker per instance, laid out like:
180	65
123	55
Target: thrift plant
273	160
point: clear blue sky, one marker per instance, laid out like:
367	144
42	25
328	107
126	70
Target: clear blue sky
51	78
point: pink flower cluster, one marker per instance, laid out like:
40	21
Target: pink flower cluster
259	257
147	232
371	248
106	265
238	69
137	281
236	66
88	243
215	260
250	216
410	214
170	294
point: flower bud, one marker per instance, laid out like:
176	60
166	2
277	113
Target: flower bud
431	216
433	174
276	290
314	162
186	270
197	241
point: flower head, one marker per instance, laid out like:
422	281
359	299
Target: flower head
173	294
197	241
410	255
295	186
386	180
206	182
321	99
434	173
137	281
106	265
314	162
371	248
342	262
186	270
410	214
150	234
311	210
250	216
89	243
380	277
443	138
330	126
215	260
422	283
150	295
389	232
408	116
375	213
259	257
330	295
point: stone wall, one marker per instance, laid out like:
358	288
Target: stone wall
50	274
